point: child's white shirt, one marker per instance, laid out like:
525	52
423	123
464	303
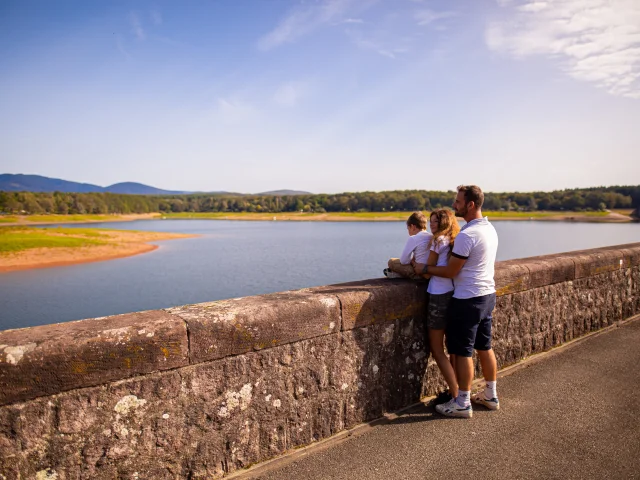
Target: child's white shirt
418	246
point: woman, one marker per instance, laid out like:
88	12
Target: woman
444	227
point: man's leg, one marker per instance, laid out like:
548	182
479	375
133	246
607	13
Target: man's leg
488	397
488	364
461	333
464	372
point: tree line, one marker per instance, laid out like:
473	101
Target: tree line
584	199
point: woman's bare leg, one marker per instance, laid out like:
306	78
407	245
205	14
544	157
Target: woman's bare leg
436	343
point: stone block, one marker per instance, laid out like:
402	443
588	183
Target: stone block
597	262
511	276
231	327
51	359
379	301
549	271
630	254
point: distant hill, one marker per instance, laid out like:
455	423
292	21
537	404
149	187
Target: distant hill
285	192
38	183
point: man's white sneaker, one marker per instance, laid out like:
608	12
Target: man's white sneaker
452	409
480	399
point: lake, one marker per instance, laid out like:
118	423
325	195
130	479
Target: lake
240	258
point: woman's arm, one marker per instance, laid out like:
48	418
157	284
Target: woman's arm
432	260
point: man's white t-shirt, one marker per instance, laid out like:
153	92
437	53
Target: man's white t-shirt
416	245
477	242
440	285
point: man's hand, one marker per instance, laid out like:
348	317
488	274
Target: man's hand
418	267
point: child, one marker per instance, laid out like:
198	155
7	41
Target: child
416	248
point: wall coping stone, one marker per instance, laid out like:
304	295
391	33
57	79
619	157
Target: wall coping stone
50	359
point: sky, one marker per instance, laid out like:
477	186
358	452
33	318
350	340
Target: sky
324	96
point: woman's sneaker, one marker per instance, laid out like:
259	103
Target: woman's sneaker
452	409
491	404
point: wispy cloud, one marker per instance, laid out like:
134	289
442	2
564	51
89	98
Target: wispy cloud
306	19
289	94
156	17
426	17
233	112
381	47
136	26
121	47
595	41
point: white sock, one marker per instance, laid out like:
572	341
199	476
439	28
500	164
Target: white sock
490	390
464	398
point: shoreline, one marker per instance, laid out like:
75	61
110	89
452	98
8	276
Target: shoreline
121	244
571	217
88	259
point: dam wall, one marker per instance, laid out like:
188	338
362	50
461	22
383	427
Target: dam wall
199	391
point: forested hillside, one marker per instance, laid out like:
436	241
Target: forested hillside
406	200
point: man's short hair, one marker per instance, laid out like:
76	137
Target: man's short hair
472	193
417	219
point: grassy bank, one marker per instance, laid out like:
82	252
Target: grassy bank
17	239
35	219
30	247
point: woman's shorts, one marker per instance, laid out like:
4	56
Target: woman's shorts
437	310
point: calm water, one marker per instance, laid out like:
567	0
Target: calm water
235	258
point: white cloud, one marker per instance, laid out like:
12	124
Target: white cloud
289	94
596	41
156	17
136	26
534	6
426	17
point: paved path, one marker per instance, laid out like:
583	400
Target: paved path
574	414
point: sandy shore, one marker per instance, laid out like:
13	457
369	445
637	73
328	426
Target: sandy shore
121	244
23	220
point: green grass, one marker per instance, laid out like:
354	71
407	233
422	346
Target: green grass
67	218
8	219
500	214
16	239
207	214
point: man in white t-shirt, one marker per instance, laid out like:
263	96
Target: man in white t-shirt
471	267
416	248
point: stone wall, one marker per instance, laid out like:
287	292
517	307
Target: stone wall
199	391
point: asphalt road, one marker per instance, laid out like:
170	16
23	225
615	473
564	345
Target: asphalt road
573	414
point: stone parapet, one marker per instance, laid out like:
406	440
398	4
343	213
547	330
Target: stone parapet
199	391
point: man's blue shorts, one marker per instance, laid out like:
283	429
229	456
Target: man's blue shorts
469	325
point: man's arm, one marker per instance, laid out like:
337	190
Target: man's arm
448	271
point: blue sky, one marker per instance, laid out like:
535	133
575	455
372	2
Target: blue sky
323	96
